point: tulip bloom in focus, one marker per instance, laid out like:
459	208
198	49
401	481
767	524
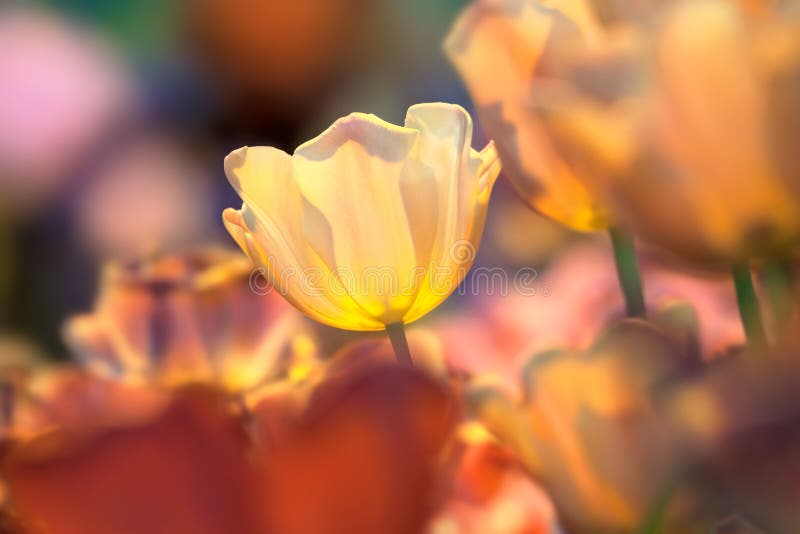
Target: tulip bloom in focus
185	318
369	224
504	50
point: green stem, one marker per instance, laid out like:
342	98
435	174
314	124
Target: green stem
748	305
778	287
654	520
397	335
628	272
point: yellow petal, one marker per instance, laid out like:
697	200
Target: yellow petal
463	178
269	228
302	284
351	175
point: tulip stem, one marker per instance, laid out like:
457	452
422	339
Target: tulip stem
778	289
397	335
628	271
748	305
654	519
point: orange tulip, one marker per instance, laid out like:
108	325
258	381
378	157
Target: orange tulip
361	456
114	459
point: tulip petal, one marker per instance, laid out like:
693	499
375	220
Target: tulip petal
711	121
501	49
306	293
464	178
351	174
271	227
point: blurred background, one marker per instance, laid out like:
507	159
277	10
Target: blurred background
115	118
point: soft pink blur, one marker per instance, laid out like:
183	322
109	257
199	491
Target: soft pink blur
576	297
150	194
59	89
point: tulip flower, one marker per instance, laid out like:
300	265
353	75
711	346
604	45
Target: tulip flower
509	53
588	428
501	49
193	317
363	454
739	419
694	146
369	225
179	465
363	457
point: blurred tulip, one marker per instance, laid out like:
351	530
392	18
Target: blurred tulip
588	428
185	318
369	224
740	417
363	456
60	90
279	400
66	395
687	127
502	49
182	469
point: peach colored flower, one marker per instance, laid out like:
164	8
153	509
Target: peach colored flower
185	318
503	50
693	145
363	457
587	427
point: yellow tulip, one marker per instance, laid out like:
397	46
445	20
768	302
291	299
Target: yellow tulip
505	51
369	224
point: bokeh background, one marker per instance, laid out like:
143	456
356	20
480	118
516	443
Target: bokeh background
115	118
